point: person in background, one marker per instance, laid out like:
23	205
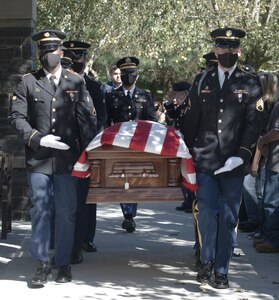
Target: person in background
53	111
160	112
176	105
269	144
253	183
115	82
210	60
127	103
68	59
269	84
86	213
223	123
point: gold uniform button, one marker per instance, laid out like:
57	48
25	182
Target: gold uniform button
203	100
53	120
130	114
221	110
129	106
220	121
53	130
221	100
53	99
219	131
54	109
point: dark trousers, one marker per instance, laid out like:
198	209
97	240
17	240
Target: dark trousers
219	200
85	217
271	207
49	193
129	209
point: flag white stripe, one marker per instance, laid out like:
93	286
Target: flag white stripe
156	138
96	142
81	167
125	134
182	150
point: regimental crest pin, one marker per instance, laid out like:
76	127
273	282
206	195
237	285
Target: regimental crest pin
260	105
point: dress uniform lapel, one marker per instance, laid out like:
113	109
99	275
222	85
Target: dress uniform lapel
214	82
62	81
44	83
135	94
126	99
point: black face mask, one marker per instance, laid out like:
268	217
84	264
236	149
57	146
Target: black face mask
50	61
78	67
129	79
227	60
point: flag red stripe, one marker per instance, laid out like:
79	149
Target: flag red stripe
81	174
109	133
189	165
139	139
171	143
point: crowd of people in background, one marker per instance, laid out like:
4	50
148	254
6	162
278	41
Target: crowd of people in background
228	117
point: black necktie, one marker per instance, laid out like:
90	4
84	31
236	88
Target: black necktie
129	94
52	82
226	81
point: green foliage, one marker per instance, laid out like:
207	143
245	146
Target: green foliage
169	36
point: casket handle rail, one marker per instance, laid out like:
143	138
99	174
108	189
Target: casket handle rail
124	174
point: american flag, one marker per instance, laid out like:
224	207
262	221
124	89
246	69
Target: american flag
146	136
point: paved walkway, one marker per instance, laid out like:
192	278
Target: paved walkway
155	262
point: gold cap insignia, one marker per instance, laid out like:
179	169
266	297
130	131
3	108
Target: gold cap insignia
228	33
128	60
46	34
72	45
260	105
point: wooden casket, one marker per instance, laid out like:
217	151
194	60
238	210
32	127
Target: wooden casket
123	175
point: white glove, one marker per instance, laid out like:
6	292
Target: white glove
51	141
230	164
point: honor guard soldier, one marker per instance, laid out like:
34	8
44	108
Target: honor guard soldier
222	124
86	213
68	59
53	111
128	103
210	60
176	103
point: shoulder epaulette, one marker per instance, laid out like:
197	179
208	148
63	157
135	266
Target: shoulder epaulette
247	69
73	72
23	75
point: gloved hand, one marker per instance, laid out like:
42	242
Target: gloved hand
230	164
51	141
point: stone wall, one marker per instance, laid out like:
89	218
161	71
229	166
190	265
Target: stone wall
17	23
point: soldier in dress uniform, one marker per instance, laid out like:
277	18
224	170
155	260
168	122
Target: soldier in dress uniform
210	60
68	59
86	213
53	111
128	103
223	125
